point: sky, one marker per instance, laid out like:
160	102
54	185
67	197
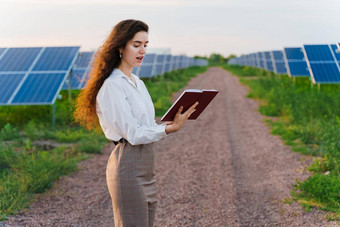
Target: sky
190	27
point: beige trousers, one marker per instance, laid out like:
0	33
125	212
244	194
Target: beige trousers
131	182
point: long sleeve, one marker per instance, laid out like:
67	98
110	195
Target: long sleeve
118	115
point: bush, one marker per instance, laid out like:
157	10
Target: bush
323	189
8	132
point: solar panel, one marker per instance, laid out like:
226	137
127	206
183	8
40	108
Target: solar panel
180	62
9	82
336	52
149	58
174	62
39	88
295	62
262	60
160	64
148	67
278	62
146	71
253	59
167	67
2	52
19	59
56	58
323	63
80	71
34	75
268	61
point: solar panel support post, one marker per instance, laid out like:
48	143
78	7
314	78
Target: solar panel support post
53	114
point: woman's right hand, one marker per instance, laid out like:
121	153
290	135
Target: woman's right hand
180	119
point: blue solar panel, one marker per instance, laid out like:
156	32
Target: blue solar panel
294	53
318	53
323	63
159	69
145	71
78	78
278	62
2	50
295	62
298	68
19	59
253	60
167	67
56	58
336	52
262	62
174	63
149	58
80	71
39	88
25	86
9	82
181	62
269	63
258	57
84	59
168	59
160	58
325	72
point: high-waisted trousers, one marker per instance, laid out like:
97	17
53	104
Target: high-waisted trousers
131	182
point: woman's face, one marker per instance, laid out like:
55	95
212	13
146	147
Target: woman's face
135	49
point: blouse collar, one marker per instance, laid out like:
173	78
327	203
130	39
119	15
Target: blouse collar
117	72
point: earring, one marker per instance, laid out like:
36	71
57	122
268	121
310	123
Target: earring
120	54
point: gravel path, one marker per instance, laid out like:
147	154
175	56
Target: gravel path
224	169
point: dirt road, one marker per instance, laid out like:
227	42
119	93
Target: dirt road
224	169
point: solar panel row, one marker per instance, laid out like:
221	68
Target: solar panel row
35	75
154	65
320	62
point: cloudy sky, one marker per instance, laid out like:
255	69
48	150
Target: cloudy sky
191	27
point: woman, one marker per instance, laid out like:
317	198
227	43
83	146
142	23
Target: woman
119	102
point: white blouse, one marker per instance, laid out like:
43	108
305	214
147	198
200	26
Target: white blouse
126	111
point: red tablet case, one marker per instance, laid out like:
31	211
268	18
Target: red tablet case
187	99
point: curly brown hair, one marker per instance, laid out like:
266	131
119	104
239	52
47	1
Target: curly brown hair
106	59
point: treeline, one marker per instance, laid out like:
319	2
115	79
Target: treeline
216	59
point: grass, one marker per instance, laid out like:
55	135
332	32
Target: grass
27	169
308	121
